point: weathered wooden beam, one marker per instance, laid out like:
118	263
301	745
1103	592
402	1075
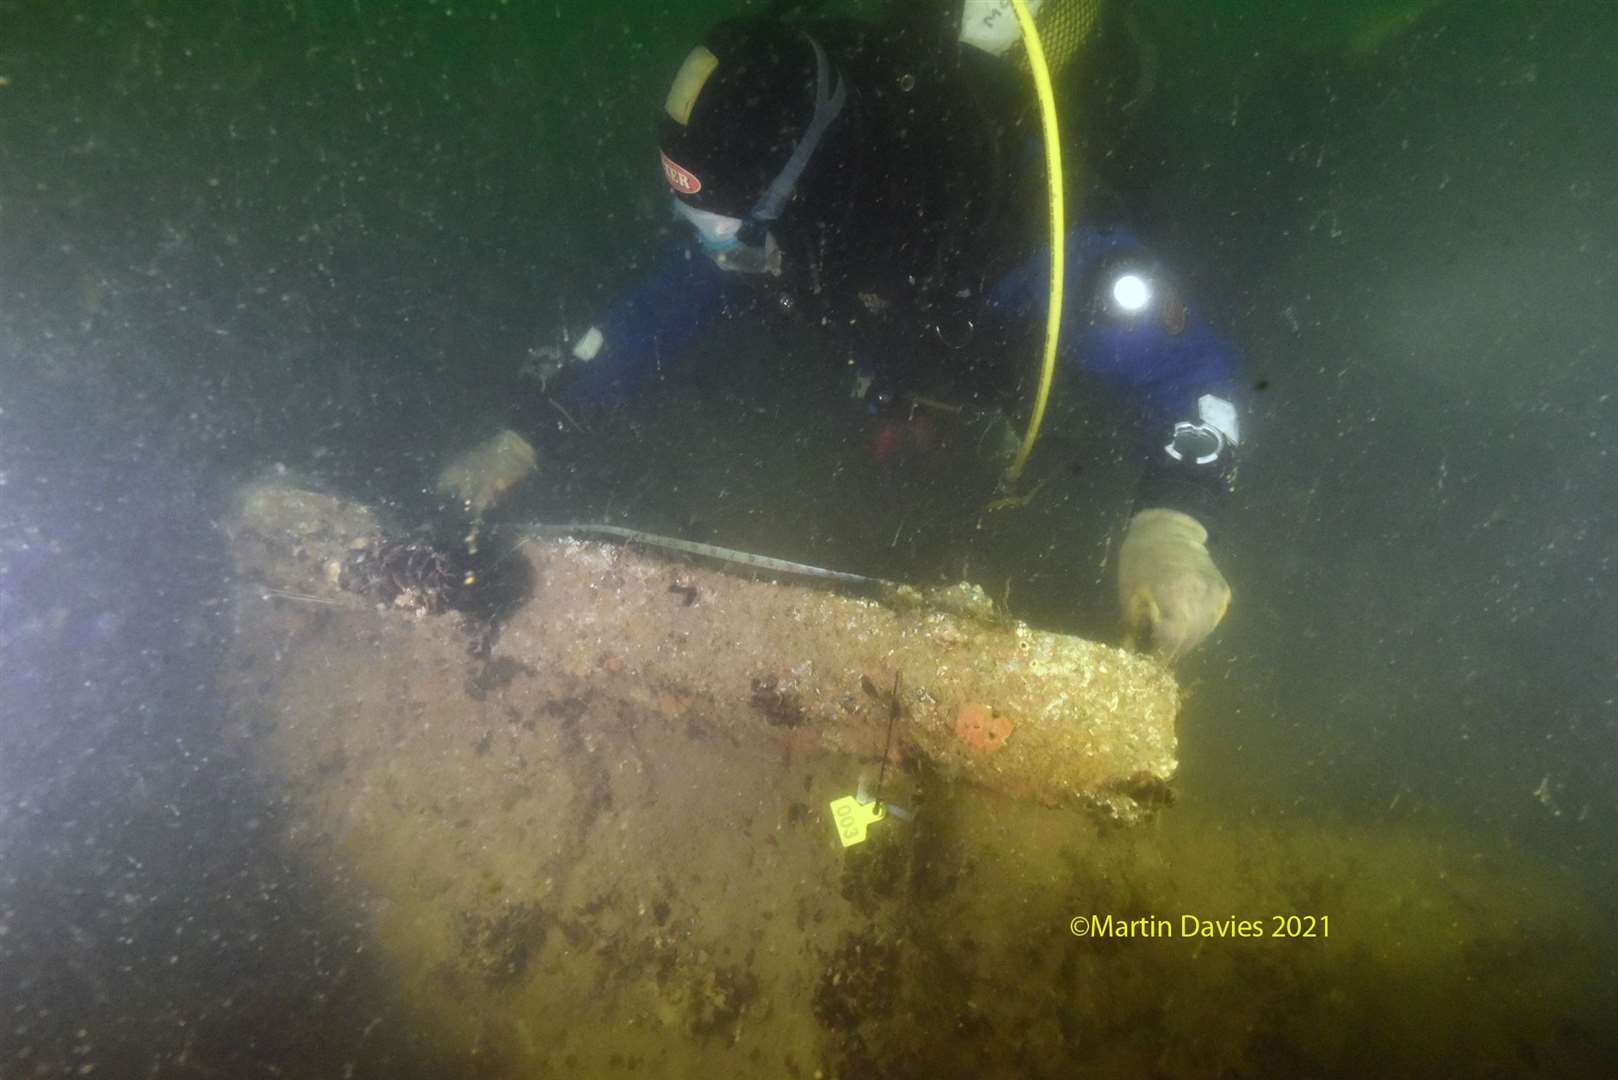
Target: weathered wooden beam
1037	715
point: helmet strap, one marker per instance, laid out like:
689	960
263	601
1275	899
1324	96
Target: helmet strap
828	103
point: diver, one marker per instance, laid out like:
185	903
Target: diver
884	180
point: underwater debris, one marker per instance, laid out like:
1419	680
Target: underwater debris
778	700
413	576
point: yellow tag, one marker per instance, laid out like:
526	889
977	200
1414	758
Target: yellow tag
688	83
853	818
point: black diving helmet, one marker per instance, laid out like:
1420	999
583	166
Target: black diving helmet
745	114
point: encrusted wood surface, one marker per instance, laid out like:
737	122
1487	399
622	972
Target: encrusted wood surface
1037	715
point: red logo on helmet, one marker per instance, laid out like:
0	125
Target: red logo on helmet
680	179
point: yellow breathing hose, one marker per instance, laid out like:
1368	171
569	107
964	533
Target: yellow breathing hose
1053	174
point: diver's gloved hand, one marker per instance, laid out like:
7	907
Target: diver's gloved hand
1171	593
480	476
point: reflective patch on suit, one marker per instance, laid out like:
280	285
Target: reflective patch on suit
1220	415
991	25
688	84
589	345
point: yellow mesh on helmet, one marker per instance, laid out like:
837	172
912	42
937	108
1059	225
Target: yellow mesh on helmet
1064	26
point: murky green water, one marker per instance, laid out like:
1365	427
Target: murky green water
321	235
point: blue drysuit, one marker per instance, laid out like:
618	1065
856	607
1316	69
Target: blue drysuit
1171	377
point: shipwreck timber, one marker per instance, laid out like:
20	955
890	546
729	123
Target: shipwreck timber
756	662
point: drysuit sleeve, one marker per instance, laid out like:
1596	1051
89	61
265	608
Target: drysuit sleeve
645	329
1183	383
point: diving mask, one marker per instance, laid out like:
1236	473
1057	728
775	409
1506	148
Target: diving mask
734	244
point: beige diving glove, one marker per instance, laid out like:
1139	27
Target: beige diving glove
1171	593
478	478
